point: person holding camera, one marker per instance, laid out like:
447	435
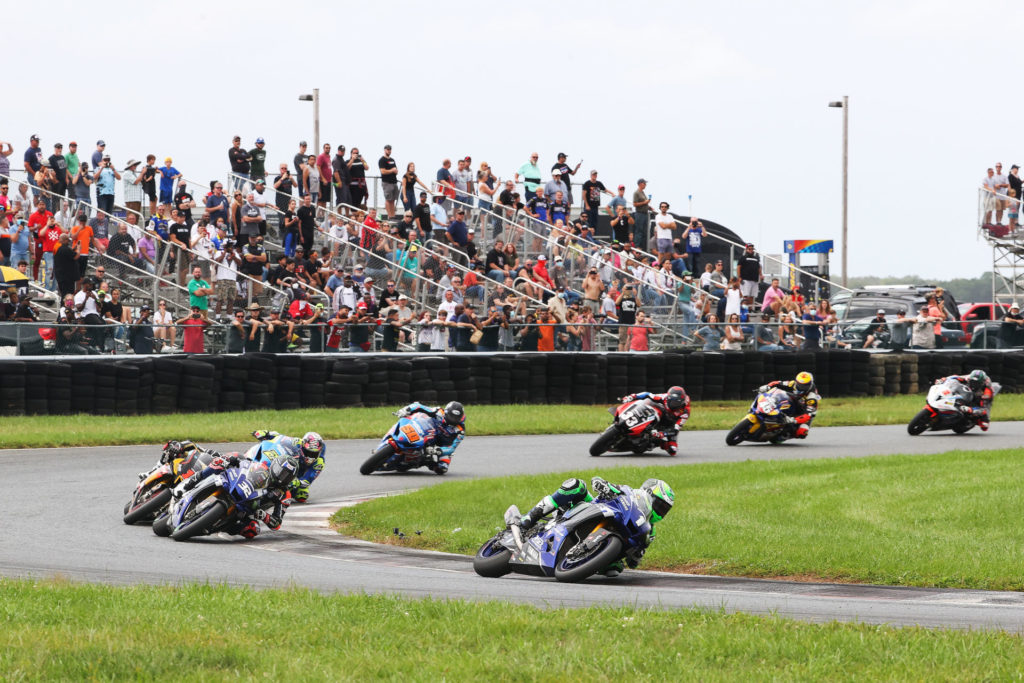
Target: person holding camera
356	166
194	325
106	177
87	305
226	277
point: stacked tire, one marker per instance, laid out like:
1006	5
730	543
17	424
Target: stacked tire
348	378
12	387
288	395
35	388
616	377
58	388
232	389
501	380
399	382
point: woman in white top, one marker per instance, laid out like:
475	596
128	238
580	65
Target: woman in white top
163	324
705	277
664	223
733	338
733	299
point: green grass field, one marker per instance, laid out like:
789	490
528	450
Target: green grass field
366	423
949	520
51	632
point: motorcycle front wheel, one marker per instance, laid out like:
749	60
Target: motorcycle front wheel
738	433
578	569
148	507
492	559
160	526
200	524
920	423
605	441
379	457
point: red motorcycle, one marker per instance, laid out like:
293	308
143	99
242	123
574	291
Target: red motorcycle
631	430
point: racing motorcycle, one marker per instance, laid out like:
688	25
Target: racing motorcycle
223	501
153	492
948	406
407	445
768	420
570	546
631	429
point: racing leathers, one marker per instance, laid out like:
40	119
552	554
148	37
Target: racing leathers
277	498
446	437
574	491
670	423
803	406
981	401
309	469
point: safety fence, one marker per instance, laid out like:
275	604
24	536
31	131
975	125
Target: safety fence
179	383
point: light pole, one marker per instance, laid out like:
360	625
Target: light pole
845	106
315	99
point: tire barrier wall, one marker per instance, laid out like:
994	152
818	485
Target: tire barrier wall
169	384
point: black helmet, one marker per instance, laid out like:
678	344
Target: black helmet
676	400
283	469
977	380
454	414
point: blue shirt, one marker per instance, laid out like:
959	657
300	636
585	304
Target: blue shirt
812	332
693	241
21	242
34	158
458	232
105	181
333	282
615	203
167	179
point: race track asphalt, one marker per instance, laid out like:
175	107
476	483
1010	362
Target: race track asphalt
63	518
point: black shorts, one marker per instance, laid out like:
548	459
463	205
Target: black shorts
83	263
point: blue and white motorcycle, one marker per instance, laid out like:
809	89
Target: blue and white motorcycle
407	445
571	546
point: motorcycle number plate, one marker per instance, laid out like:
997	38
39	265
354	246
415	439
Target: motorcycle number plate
410	433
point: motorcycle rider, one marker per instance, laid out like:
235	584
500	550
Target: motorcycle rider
675	413
657	497
312	451
804	399
449	430
177	449
276	493
981	390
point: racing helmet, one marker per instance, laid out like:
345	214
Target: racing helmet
662	498
676	400
804	383
977	380
312	447
455	414
283	470
177	449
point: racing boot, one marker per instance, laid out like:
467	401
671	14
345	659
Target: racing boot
300	493
250	530
801	432
442	465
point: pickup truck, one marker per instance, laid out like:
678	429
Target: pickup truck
972	314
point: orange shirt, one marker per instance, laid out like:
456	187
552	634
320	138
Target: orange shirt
82	239
546	342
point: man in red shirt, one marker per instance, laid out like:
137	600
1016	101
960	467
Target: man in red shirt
323	162
50	236
36	222
194	325
300	312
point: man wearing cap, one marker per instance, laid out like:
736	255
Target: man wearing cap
105	181
98	153
566	172
225	279
877	331
184	202
592	190
60	170
457	233
71	159
239	160
622	226
259	200
1011	327
556	184
388	180
748	270
258	160
339	176
641	214
33	162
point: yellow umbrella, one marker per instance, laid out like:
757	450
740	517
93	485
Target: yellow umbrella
12	276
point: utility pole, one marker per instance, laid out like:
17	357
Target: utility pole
845	105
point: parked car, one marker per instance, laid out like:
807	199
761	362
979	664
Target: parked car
856	332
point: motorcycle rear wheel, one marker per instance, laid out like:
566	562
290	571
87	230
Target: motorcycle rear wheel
599	558
737	433
920	423
492	559
605	441
148	507
201	524
379	457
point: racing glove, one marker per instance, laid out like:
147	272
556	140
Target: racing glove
272	521
627	398
602	488
264	434
966	410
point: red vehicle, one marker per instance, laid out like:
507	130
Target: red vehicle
631	430
972	314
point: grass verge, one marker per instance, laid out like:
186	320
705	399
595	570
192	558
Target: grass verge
51	632
367	423
949	520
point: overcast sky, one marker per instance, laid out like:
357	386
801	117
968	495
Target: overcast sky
723	101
